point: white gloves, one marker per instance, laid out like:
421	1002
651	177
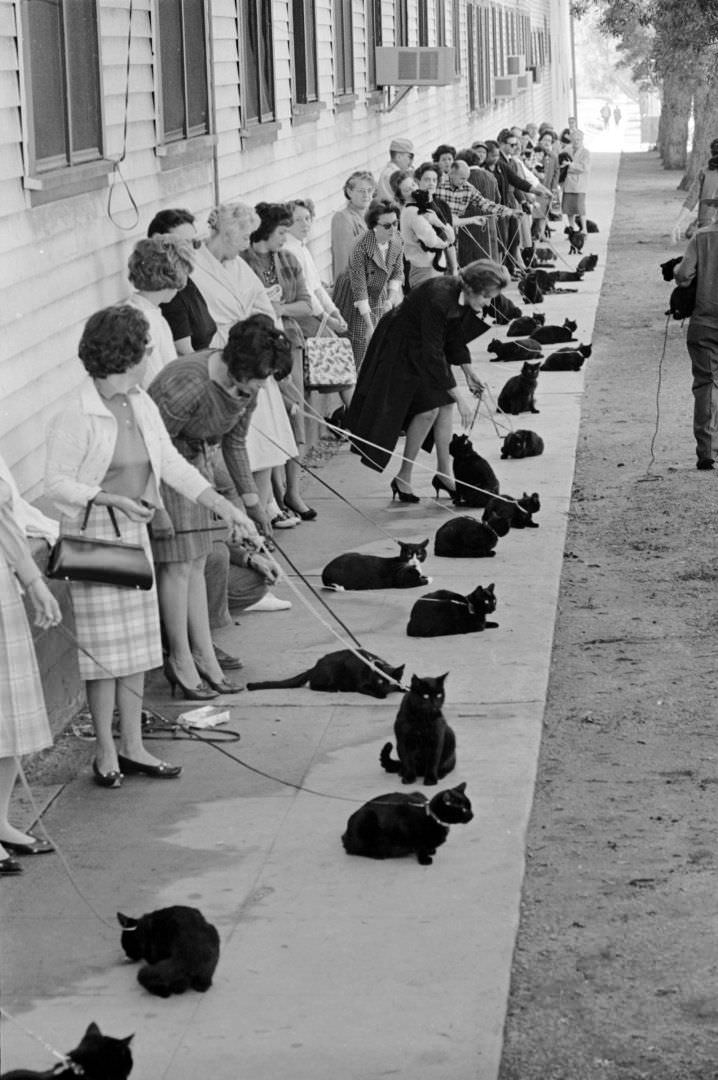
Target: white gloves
682	221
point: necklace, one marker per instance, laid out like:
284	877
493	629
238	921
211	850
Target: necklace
268	270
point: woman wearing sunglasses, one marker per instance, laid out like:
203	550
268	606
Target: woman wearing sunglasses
376	272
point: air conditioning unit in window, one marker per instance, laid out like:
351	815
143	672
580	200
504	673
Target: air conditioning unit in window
516	65
420	66
505	87
524	82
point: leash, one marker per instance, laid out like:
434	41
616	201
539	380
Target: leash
659	384
63	1058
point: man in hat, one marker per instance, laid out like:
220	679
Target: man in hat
703	189
401	159
700	265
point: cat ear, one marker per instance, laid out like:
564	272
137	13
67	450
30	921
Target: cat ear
461	787
490	588
126	922
397	672
128	1039
424	543
442	678
92	1029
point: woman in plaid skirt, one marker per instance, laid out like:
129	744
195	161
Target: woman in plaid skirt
23	720
109	448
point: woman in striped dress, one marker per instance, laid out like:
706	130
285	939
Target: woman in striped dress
23	720
376	273
109	448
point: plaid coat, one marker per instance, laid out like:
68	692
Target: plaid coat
370	277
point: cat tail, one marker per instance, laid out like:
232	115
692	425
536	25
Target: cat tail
278	684
163	978
387	761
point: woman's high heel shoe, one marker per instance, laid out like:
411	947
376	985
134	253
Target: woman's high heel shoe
305	515
108	779
439	484
223	687
201	692
402	496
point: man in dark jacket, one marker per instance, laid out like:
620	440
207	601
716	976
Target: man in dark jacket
509	181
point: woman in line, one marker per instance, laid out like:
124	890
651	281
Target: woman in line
24	728
110	448
346	228
303	214
282	277
575	185
233	292
406	382
187	313
547	169
427	233
158	268
376	271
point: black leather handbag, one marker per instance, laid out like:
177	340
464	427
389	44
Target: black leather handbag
104	562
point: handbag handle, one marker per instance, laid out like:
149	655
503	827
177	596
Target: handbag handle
110	511
323	326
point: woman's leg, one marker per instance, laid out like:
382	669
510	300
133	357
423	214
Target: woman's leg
8	772
419	427
292	497
129	705
173	581
200	637
101	697
443	430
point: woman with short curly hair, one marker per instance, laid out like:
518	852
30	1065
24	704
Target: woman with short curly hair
109	448
158	269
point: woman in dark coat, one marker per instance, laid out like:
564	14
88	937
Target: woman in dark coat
406	382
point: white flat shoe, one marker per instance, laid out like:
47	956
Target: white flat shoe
269	602
284	520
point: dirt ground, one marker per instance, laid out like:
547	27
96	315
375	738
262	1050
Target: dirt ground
616	970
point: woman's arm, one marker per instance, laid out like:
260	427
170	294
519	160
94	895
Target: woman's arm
358	281
15	549
67	448
343	240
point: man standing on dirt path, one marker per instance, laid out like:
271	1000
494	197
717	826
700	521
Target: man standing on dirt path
700	264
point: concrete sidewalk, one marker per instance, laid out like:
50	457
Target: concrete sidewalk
332	968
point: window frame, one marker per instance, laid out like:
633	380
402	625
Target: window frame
401	24
422	23
266	121
169	144
309	17
440	22
471	57
343	50
39	176
456	34
374	40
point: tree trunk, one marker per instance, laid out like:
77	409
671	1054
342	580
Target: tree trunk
675	113
705	113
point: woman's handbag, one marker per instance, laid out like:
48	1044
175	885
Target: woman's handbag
103	562
328	361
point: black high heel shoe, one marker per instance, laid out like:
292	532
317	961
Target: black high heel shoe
223	687
305	515
201	692
439	484
109	779
402	496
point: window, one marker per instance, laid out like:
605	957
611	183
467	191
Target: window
63	85
401	22
183	69
258	83
456	33
343	48
423	14
305	52
373	39
483	58
471	54
440	22
497	37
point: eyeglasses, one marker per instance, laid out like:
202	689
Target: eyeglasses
513	145
387	224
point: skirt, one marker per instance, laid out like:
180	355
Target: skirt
574	202
119	627
195	527
270	426
23	719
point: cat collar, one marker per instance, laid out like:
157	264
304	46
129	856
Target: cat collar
431	814
73	1066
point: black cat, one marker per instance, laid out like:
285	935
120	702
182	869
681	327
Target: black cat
545	255
567	359
518	393
359	572
443	612
466	538
548	279
517	514
551	335
521	349
502	310
522	443
425	744
526	325
181	949
576	240
96	1057
342	671
471	469
587	263
406	824
668	267
422	201
591	226
530	289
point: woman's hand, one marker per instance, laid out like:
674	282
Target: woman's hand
474	383
261	520
466	409
45	606
131	508
268	570
337	324
241	527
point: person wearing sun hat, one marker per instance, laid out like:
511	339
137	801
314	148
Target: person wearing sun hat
401	157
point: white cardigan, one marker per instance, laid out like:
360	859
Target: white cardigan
82	441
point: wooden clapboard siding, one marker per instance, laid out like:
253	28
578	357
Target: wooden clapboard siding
63	260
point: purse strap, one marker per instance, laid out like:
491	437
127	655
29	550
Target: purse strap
110	511
323	326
